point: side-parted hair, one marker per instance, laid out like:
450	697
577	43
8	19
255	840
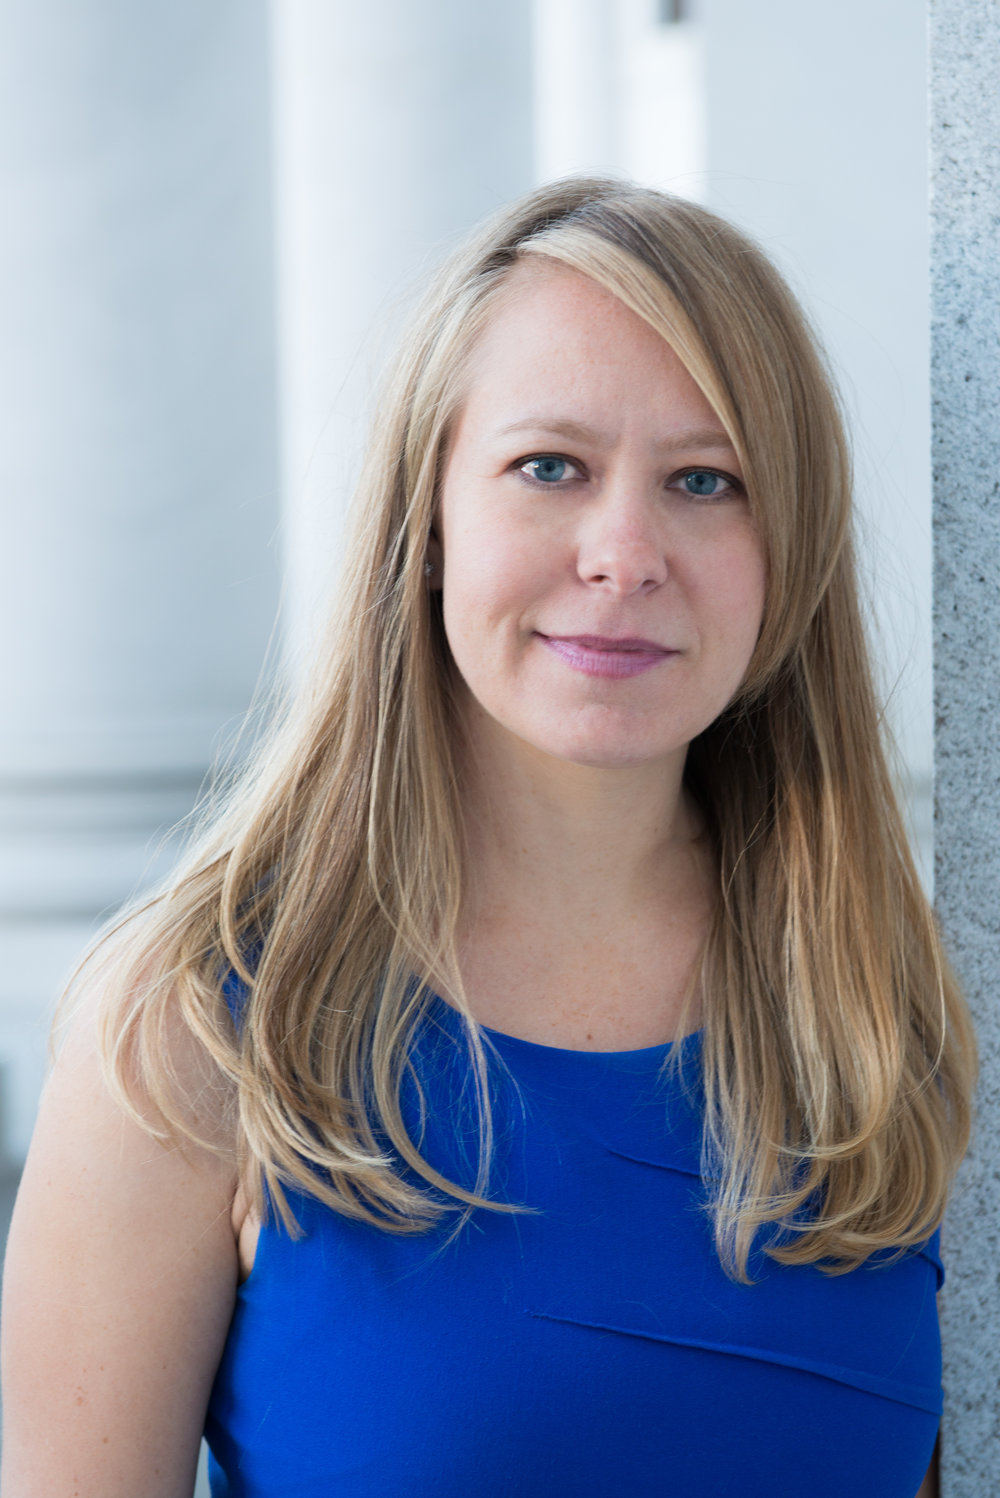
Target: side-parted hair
838	1055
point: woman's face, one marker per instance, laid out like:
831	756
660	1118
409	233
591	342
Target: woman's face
603	580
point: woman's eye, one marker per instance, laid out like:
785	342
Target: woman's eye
705	483
549	469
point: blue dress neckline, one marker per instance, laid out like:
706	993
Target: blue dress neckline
652	1054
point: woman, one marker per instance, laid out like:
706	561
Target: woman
546	1076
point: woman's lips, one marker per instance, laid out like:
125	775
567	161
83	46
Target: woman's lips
596	656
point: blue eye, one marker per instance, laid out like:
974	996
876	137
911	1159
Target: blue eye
705	483
549	469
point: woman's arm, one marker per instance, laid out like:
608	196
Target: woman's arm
930	1487
118	1291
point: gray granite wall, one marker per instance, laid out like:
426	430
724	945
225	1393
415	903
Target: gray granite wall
965	362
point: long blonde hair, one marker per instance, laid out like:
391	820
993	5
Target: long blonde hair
838	1056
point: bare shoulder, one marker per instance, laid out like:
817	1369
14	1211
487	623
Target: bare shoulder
118	1288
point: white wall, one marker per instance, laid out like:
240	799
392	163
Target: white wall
817	143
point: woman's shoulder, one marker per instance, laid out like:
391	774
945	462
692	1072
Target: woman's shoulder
121	1269
101	1099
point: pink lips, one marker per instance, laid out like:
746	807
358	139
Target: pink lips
596	656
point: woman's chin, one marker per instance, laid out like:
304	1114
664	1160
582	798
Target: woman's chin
605	753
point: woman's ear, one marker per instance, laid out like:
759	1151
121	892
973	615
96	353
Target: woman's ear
434	563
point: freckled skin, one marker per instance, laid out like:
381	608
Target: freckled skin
619	547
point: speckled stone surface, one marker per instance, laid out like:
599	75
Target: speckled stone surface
965	372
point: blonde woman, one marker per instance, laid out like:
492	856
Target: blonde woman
545	1078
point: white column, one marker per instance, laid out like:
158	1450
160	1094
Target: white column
663	96
137	455
619	89
817	144
579	78
397	126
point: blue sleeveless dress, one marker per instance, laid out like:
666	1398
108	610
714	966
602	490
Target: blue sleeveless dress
590	1348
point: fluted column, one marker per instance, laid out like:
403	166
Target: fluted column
137	458
397	126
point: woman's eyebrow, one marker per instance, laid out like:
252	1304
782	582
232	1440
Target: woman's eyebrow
714	438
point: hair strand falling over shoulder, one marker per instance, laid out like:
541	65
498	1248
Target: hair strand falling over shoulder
838	1056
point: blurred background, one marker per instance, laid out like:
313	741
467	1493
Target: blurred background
215	217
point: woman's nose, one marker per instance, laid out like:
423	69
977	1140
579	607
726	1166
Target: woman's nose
621	546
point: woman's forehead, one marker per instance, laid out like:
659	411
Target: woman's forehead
562	353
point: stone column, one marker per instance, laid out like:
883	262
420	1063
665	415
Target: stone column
965	372
397	126
137	458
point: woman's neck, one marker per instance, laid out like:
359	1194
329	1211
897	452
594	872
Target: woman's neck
588	898
578	835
